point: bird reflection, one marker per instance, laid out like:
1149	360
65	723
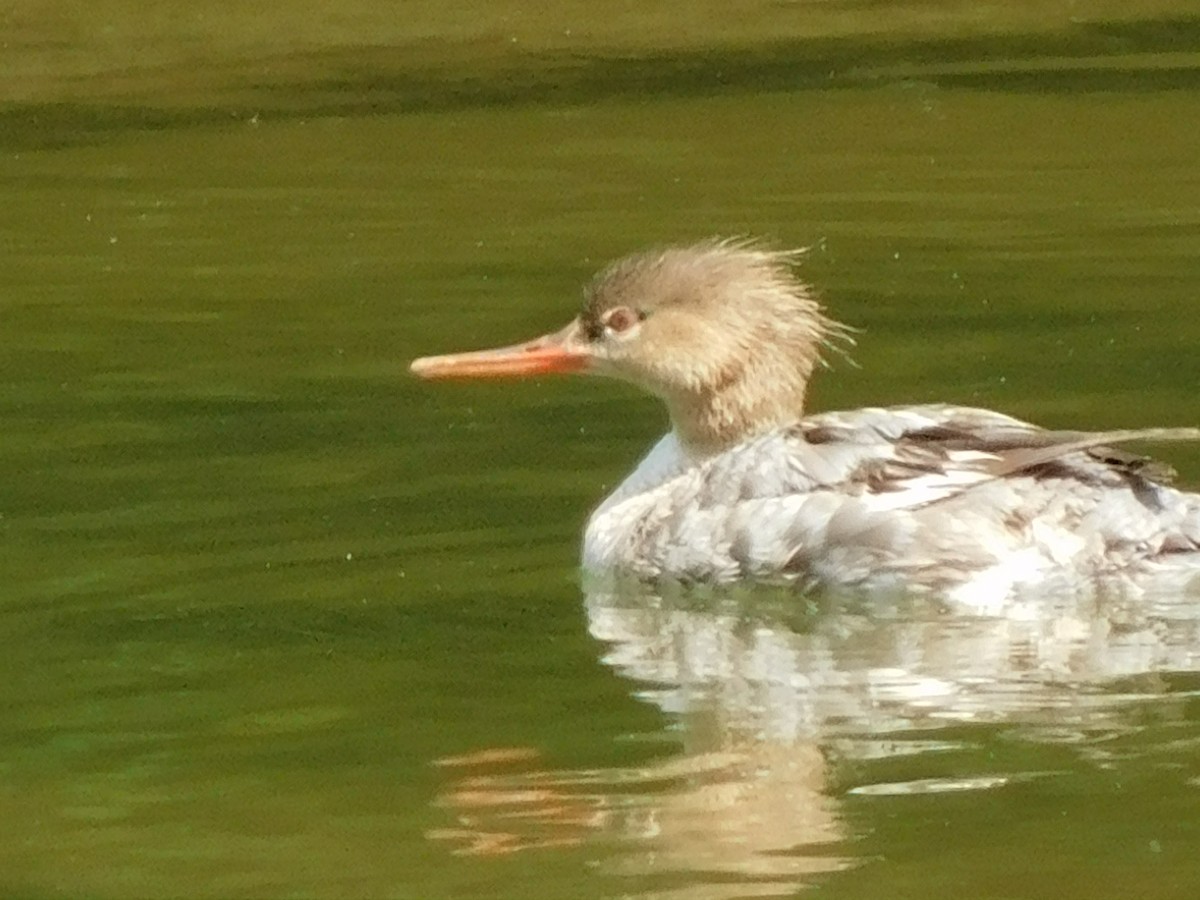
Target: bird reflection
770	695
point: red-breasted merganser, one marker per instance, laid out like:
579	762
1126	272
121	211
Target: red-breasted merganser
745	486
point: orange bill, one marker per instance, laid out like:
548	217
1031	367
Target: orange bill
550	353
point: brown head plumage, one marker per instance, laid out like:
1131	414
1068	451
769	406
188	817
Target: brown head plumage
723	331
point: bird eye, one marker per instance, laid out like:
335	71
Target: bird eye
621	319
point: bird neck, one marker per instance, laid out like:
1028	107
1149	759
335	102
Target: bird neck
757	397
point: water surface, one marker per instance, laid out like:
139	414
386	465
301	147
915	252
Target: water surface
282	622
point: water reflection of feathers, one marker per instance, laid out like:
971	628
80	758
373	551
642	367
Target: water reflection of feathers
859	667
765	690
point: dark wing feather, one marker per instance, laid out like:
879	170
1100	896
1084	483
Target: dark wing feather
937	440
1019	451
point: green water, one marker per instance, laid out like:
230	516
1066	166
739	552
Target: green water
279	621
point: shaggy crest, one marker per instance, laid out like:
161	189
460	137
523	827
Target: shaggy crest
729	335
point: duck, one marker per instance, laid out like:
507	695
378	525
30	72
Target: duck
748	486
